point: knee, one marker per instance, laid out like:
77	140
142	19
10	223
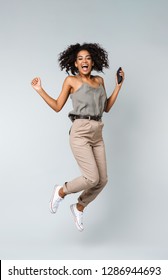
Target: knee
103	181
93	182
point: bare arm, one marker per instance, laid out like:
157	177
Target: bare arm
111	100
55	104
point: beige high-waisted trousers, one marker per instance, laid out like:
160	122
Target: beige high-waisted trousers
88	148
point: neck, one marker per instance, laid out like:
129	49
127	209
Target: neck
85	77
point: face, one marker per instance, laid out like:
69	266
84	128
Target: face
84	62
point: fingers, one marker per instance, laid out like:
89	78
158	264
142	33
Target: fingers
35	81
122	74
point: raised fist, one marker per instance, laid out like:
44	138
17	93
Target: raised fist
36	83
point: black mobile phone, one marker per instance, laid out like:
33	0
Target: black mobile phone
119	78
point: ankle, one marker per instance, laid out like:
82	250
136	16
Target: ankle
61	193
80	207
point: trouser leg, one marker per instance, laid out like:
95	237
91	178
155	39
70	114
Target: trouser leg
90	194
85	158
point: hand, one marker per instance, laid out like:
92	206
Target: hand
36	83
121	73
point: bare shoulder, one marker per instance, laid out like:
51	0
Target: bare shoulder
67	81
99	79
70	81
71	84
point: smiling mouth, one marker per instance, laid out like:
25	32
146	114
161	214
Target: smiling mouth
85	67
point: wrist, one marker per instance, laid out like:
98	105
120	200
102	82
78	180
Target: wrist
118	87
39	90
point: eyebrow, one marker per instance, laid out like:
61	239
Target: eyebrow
88	55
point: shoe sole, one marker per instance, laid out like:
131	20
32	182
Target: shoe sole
51	200
75	219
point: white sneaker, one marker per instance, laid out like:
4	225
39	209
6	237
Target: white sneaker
78	217
55	199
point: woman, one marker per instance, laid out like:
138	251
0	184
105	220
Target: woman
89	102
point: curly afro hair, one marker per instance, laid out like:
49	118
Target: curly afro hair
68	57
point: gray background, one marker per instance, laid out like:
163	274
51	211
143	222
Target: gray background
129	219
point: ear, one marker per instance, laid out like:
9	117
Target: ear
76	64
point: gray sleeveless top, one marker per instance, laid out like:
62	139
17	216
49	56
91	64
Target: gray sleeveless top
88	100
